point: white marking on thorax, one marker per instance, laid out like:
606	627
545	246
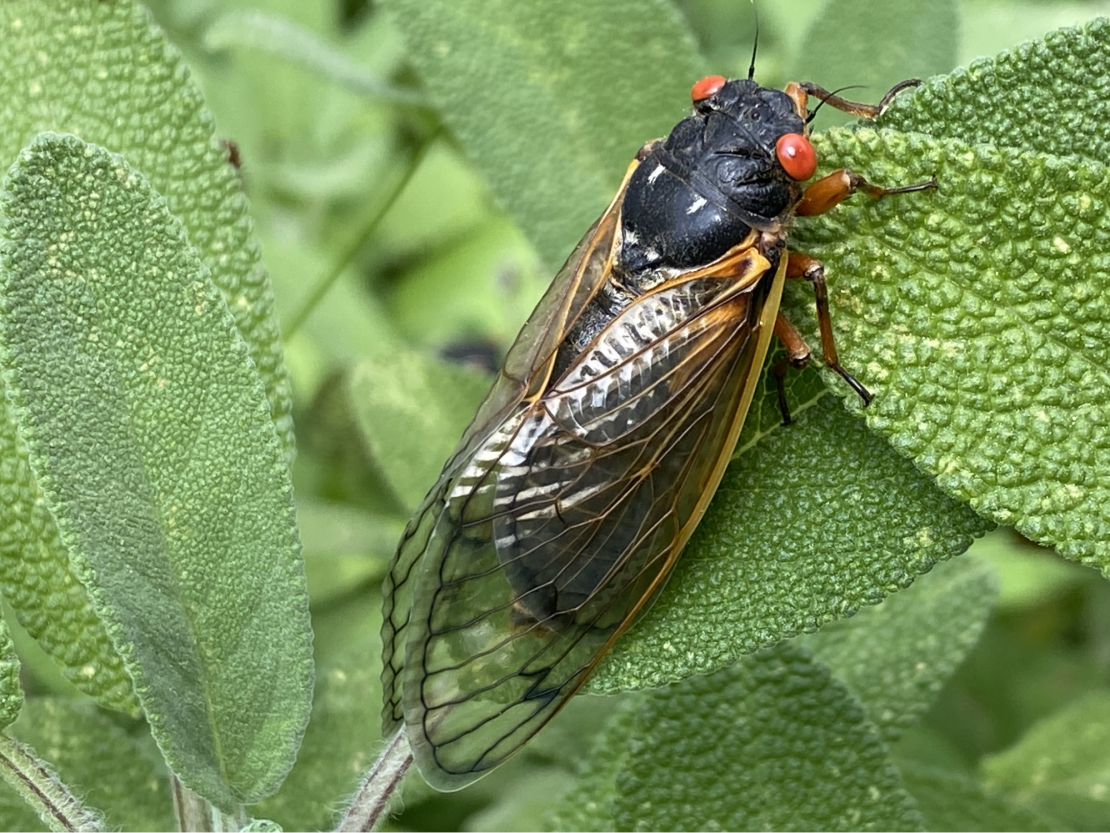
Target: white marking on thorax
696	205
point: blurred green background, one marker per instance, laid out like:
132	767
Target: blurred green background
380	238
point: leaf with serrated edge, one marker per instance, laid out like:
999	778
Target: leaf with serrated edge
977	315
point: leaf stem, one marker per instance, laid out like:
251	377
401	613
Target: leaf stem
378	786
43	790
194	813
348	253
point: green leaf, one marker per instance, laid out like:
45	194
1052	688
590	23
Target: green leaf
1062	765
952	800
1028	575
896	656
814	522
411	411
341	743
255	29
110	763
977	317
552	100
876	45
1042	96
148	428
106	74
11	693
772	743
103	72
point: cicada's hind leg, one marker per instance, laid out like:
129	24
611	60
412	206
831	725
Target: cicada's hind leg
797	356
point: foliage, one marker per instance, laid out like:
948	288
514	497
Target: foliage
415	170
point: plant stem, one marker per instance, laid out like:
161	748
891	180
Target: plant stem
43	790
195	814
378	786
348	253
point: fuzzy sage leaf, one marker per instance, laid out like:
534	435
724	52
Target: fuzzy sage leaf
104	72
148	429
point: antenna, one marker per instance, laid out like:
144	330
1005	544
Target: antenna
755	45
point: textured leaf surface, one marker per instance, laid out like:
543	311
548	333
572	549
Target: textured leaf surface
574	130
781	553
1062	765
11	693
1049	95
772	743
896	656
149	431
977	316
101	71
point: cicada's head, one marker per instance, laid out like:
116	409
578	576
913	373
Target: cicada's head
753	146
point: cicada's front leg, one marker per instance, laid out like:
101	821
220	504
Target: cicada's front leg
801	91
831	190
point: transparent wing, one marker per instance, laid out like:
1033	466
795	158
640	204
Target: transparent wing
524	374
562	522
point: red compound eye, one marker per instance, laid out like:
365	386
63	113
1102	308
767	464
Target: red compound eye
796	155
707	87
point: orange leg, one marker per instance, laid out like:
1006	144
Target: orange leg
830	191
801	91
813	271
797	356
821	196
863	111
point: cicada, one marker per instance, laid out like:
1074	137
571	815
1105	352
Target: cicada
596	452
